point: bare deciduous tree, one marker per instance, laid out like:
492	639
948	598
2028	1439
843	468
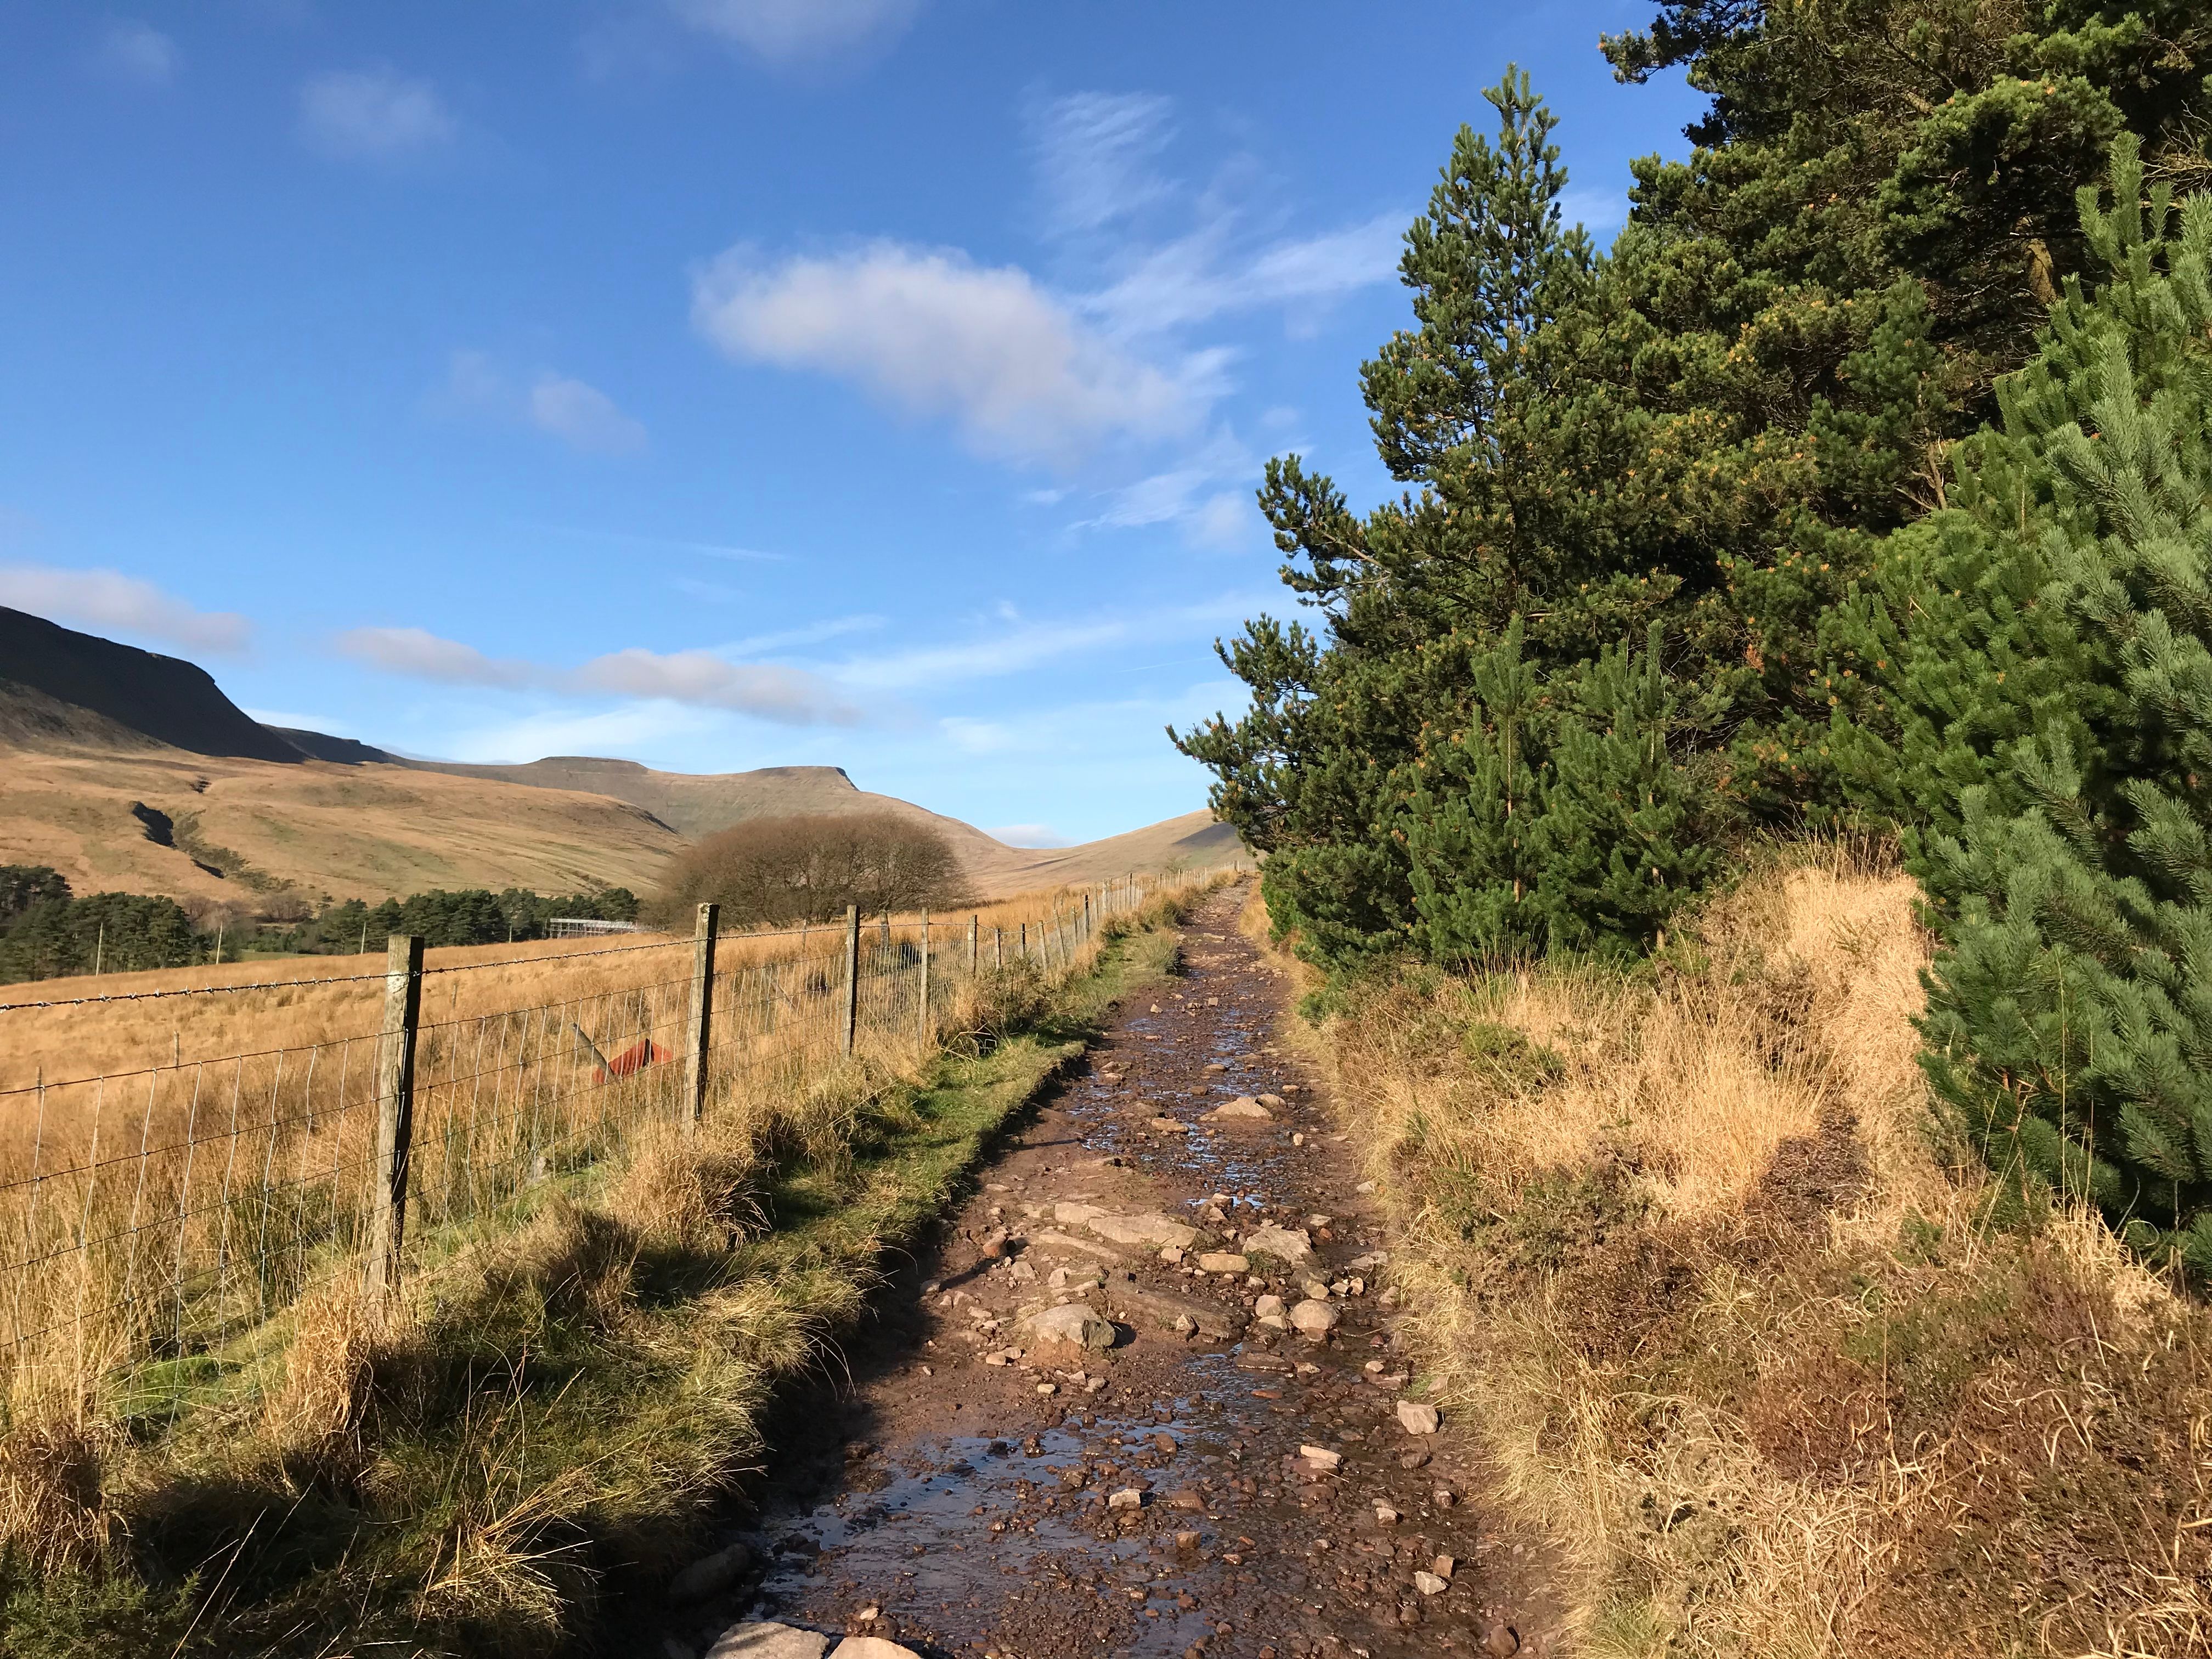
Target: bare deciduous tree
784	870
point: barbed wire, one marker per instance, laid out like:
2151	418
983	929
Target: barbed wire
670	943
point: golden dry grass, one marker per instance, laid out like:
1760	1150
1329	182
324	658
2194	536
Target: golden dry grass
1738	1326
348	831
183	1207
51	1513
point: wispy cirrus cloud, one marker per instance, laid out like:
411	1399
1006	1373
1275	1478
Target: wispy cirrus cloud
130	50
1095	157
700	679
105	599
560	405
1010	643
373	115
791	33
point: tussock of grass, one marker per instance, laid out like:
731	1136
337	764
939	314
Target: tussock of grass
1742	1324
559	1402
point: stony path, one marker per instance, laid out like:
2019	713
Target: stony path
1242	1472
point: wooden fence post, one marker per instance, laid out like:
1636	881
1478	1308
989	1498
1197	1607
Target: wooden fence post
973	963
924	978
699	1032
998	947
395	1111
852	974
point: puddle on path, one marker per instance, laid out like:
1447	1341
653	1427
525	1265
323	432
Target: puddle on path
962	1507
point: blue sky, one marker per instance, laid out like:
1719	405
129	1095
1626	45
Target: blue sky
724	383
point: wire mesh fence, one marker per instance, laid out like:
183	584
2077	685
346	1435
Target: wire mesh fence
159	1217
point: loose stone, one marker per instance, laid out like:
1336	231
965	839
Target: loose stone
764	1640
1417	1418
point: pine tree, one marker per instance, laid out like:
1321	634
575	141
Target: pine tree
1619	843
2052	684
1458	615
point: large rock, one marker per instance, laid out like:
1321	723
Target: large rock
1058	1243
1073	1323
1315	1319
1151	1228
1244	1108
872	1647
1070	1214
1140	1305
1416	1418
1283	1243
1224	1262
710	1574
764	1640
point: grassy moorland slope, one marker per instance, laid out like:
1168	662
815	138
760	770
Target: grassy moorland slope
349	831
1755	1336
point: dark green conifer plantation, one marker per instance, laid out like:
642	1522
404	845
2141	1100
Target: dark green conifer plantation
1709	429
1472	713
2042	656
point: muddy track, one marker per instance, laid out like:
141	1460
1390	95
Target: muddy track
1220	1481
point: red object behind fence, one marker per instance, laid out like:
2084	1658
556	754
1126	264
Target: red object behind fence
634	1059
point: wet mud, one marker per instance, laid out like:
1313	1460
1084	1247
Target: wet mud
1217	1482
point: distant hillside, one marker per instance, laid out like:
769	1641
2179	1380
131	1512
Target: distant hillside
100	730
698	805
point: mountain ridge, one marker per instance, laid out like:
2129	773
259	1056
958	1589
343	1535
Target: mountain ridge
100	730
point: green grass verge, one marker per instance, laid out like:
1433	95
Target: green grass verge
570	1400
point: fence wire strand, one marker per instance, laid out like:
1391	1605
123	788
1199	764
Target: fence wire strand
146	1264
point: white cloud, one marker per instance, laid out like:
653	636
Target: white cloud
931	332
810	633
110	599
1094	156
701	679
1191	496
373	115
787	33
1206	274
1019	645
789	695
133	51
583	416
420	655
579	413
1226	519
1030	835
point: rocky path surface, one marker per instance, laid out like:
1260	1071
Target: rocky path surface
1144	1398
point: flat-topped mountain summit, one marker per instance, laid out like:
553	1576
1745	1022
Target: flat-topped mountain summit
91	730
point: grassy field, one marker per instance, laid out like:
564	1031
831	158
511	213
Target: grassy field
1780	1365
568	1387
